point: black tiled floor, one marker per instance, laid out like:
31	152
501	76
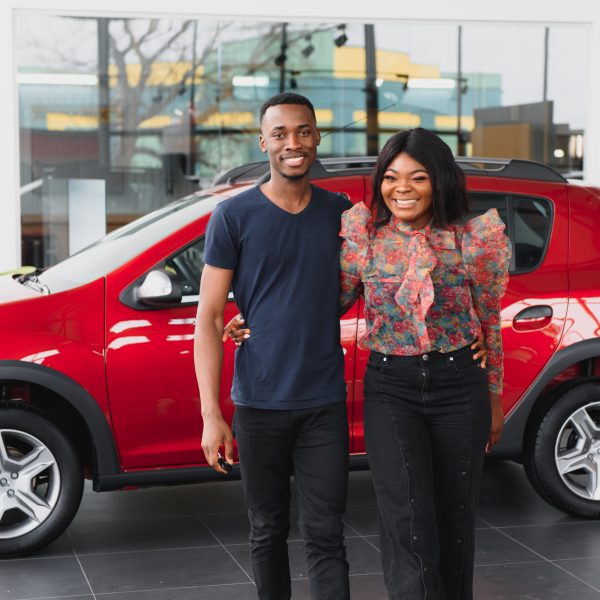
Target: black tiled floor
568	540
587	569
42	577
149	533
191	543
130	571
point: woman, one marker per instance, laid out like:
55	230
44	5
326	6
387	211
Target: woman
430	285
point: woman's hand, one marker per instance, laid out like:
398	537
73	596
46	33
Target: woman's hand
235	330
497	422
481	351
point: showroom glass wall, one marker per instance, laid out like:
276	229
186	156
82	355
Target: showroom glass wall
120	116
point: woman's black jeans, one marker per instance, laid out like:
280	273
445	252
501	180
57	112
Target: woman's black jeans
427	420
313	444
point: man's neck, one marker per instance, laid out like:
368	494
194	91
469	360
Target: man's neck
291	195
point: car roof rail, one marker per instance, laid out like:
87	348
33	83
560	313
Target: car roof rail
246	171
347	162
513	168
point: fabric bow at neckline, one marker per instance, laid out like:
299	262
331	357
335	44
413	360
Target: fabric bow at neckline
416	294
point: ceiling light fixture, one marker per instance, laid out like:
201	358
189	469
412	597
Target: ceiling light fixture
341	39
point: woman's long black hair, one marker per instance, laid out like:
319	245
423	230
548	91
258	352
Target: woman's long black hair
449	198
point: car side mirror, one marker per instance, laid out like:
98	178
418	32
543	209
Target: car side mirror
160	287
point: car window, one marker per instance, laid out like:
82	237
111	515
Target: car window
528	222
532	218
187	264
125	243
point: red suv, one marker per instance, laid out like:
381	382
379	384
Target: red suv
96	365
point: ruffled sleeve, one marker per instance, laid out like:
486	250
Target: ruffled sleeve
354	251
486	251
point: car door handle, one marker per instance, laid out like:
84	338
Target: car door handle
533	317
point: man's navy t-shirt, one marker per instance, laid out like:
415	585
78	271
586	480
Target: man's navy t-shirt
286	284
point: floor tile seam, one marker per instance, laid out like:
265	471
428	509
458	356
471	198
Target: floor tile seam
57	597
576	558
140	550
228	552
512	562
358	534
163	589
80	565
566	524
29	558
297	540
306	578
175	588
544	558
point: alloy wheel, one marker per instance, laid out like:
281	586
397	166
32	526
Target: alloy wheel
29	483
577	452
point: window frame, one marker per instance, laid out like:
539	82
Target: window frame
510	200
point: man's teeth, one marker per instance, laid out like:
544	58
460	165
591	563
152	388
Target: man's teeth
405	203
294	160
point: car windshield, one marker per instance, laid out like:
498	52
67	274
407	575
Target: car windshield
123	244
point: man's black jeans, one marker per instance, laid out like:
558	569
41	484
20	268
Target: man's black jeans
313	445
427	420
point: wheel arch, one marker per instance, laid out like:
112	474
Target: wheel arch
529	406
105	460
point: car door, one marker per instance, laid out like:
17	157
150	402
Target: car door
535	304
154	400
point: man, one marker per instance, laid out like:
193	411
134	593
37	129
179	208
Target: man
277	246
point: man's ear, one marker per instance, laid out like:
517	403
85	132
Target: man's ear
262	144
318	137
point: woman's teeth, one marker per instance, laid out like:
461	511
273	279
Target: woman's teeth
405	203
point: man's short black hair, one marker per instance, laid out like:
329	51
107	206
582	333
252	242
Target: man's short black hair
286	98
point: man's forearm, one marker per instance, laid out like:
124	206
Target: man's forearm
208	358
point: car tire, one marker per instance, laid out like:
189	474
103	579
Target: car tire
562	452
41	481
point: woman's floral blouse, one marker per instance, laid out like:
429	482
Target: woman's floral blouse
427	289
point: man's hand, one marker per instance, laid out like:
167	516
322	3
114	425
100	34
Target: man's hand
217	434
497	422
481	351
236	331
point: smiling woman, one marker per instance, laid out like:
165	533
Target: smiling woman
406	190
431	285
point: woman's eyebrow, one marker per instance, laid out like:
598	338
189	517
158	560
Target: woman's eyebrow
411	172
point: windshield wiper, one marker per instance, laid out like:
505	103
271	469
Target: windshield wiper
31	280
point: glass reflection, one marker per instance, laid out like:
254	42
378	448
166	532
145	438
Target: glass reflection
152	108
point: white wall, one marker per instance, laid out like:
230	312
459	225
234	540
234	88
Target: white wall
463	11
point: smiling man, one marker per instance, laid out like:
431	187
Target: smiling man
277	246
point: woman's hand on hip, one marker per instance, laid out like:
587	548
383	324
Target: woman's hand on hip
480	350
236	331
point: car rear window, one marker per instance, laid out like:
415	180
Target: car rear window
528	221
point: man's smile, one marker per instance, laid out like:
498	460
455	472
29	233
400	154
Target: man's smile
294	160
